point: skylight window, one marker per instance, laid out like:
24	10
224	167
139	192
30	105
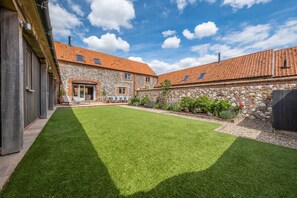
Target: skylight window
186	78
201	76
80	58
97	61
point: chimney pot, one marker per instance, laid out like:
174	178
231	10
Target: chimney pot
219	57
69	41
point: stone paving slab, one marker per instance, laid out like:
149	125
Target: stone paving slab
8	163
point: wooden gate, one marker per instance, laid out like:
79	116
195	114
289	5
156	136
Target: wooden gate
284	110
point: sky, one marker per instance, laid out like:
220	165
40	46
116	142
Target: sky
175	34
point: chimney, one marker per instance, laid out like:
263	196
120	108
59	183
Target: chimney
69	41
285	63
219	57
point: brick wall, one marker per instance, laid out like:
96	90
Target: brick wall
257	96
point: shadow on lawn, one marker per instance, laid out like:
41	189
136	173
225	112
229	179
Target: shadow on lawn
69	166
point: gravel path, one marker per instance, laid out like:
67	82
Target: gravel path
247	128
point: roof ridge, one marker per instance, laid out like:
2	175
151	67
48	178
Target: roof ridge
204	65
101	53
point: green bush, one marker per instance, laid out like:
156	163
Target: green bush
219	105
145	100
203	103
227	114
166	107
134	100
176	107
149	104
186	104
157	106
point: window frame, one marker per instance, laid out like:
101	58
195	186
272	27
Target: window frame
127	74
122	90
78	56
186	77
147	79
201	76
98	61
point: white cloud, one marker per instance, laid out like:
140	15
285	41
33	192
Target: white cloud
248	34
163	67
168	33
283	36
138	59
252	39
182	4
107	43
112	14
202	30
76	8
62	28
238	4
188	34
171	42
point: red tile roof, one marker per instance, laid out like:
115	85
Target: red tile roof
66	53
290	54
256	65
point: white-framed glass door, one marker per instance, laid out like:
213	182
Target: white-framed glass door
84	91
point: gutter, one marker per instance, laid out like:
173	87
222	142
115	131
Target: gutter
45	18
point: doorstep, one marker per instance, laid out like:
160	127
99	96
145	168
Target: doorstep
8	163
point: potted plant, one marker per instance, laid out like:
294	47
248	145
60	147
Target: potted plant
103	95
62	93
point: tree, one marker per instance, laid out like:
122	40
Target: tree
165	86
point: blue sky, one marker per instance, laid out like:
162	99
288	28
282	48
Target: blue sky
176	34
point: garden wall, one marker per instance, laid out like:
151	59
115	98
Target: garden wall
256	95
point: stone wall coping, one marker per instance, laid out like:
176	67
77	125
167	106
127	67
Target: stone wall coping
239	82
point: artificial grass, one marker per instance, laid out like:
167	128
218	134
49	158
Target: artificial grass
120	152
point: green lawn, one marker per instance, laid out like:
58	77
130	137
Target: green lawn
120	152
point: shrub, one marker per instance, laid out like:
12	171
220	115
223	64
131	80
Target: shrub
136	104
134	100
203	103
149	104
165	86
176	107
157	106
186	104
227	114
145	100
166	107
219	105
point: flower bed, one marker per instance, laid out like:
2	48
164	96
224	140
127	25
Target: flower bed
202	105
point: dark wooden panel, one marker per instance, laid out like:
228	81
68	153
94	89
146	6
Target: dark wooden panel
284	110
31	86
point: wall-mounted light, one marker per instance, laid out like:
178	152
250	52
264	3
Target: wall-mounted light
26	26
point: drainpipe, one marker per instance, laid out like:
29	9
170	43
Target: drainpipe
273	64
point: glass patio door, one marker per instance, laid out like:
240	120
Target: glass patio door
82	92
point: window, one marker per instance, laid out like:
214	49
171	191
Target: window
127	76
122	90
201	76
80	58
186	78
28	69
97	61
147	79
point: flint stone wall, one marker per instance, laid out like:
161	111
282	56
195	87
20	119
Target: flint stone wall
257	97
